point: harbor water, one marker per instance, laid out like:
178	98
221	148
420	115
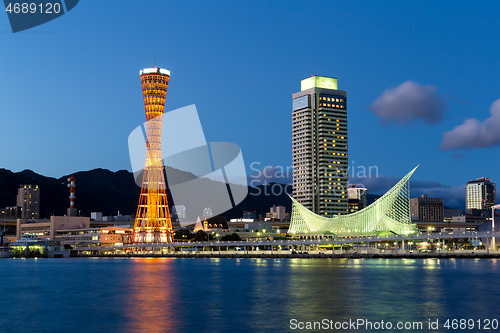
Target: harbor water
245	295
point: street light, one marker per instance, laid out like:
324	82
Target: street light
218	241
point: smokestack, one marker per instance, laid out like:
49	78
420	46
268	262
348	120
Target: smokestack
71	184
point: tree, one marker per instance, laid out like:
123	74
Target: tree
233	238
201	236
465	242
183	234
454	242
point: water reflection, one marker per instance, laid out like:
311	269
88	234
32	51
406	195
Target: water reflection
386	289
151	296
242	295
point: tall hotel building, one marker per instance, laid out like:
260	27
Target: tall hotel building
319	131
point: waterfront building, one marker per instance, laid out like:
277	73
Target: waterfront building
425	209
469	218
216	222
39	248
45	228
480	194
242	224
28	198
390	214
437	227
201	225
105	236
319	145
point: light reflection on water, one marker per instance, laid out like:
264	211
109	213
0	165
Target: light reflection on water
245	295
150	295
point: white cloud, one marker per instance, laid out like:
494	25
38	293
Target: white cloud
410	101
474	133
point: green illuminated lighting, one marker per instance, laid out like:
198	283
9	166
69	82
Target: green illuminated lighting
390	213
318	82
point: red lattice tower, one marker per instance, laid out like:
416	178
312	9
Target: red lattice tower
152	221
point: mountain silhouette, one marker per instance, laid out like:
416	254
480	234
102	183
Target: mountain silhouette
101	190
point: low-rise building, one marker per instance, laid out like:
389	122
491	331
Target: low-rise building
45	228
433	227
448	214
105	236
216	222
469	219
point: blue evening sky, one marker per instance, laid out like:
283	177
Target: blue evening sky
70	92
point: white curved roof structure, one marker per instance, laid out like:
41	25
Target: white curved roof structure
391	213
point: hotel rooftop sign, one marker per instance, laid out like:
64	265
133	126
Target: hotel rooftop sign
318	82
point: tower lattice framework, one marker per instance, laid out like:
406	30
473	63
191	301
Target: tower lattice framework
152	221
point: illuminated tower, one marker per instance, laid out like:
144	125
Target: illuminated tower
152	221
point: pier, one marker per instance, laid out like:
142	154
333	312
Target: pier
305	246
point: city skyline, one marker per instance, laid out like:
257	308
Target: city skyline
392	58
308	148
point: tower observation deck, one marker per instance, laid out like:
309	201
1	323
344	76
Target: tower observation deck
152	221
